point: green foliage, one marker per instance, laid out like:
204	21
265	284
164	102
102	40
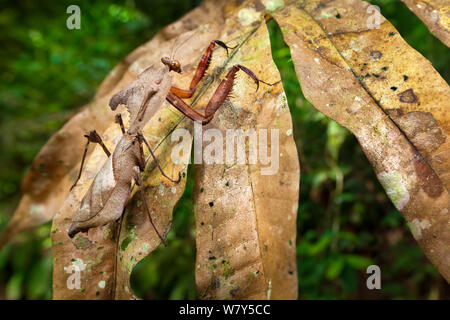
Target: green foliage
345	221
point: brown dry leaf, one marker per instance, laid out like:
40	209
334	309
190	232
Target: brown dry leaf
245	220
435	14
390	97
107	255
47	184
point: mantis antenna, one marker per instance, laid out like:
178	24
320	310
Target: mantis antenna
175	49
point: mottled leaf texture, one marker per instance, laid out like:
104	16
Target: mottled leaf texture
435	14
369	80
52	172
246	220
106	255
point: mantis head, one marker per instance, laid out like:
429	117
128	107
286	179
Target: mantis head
174	65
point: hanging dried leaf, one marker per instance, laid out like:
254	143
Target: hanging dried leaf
245	214
108	254
47	184
435	14
395	103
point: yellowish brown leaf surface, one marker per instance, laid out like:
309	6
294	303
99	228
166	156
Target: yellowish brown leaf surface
370	81
245	214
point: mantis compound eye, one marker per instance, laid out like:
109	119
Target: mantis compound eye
176	66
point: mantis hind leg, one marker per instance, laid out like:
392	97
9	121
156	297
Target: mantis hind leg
94	137
142	159
118	119
137	178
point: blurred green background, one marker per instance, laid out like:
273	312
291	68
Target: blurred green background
345	220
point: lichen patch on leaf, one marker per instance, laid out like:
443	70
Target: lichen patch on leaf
396	188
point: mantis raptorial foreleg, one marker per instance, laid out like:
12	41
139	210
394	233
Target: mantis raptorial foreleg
200	72
221	93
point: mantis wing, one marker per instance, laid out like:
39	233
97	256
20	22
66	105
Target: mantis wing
98	193
144	96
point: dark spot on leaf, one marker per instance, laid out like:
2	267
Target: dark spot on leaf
231	31
211	204
375	75
201	190
82	242
384	68
376	55
428	179
408	96
259	6
338	16
405	78
212	258
234	292
227	184
291	272
393	88
202	223
391	34
126	242
420	127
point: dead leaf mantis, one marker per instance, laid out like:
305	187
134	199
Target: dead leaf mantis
110	190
